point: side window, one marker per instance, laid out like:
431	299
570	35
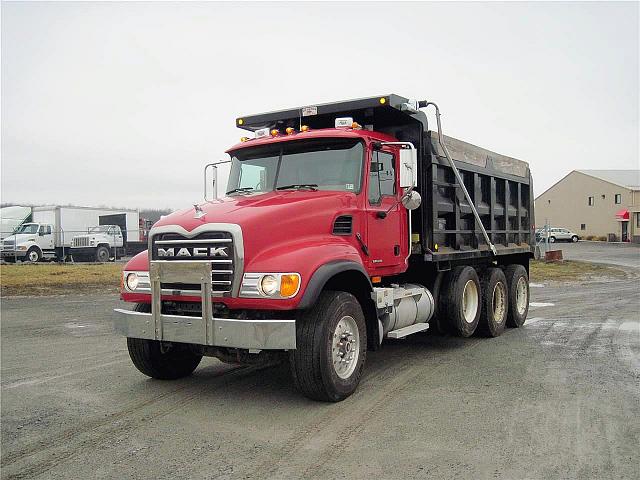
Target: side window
48	230
382	176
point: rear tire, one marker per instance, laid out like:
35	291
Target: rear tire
552	239
461	300
155	360
495	303
331	348
518	284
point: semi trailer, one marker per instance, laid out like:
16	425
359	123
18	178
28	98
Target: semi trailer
343	224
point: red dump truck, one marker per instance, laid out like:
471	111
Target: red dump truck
343	224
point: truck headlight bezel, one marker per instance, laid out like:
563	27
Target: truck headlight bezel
270	285
131	281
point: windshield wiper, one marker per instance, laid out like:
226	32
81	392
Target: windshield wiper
240	189
299	186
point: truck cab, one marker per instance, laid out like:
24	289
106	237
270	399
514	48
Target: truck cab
100	243
30	242
341	225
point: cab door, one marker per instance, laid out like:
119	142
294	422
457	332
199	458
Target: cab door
385	214
45	237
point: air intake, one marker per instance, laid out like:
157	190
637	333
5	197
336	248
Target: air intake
342	225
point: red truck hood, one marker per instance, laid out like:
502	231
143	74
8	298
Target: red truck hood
274	222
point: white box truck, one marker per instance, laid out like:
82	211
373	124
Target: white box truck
52	230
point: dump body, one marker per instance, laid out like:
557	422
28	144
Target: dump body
500	188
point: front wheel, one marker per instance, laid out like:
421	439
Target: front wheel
102	254
331	343
160	360
33	255
574	239
552	239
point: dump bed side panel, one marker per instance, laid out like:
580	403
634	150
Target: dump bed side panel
500	188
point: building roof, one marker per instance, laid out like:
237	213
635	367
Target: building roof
624	178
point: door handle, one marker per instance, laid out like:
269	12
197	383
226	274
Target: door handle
381	214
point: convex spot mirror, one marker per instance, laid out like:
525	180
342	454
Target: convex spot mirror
411	200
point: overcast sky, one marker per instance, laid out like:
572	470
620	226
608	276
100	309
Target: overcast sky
123	103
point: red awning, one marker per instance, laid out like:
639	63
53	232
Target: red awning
622	215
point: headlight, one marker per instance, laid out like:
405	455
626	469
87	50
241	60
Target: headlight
269	285
132	281
272	285
21	247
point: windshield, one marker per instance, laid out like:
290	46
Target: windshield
323	164
99	229
29	228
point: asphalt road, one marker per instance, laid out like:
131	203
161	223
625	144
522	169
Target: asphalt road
559	398
624	254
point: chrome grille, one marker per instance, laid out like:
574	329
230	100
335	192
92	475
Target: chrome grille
80	241
208	246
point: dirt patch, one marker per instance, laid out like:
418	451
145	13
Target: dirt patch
57	279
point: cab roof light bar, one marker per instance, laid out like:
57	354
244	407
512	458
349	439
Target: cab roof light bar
320	113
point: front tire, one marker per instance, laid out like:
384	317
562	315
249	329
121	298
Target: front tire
33	255
331	347
102	254
158	360
574	239
495	302
462	300
518	284
552	239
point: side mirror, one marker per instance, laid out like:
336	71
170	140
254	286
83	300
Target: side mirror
408	167
411	200
212	183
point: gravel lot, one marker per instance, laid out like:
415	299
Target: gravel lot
559	398
625	254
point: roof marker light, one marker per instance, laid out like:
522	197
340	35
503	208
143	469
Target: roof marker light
290	130
274	132
356	125
244	139
240	121
382	100
304	128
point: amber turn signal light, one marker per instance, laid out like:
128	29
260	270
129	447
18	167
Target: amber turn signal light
290	130
289	285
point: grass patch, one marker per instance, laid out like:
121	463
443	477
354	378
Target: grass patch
571	270
56	279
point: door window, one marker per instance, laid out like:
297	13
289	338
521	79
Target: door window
382	176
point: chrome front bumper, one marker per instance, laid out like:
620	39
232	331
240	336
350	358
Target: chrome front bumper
204	330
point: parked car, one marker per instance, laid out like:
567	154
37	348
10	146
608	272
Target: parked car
558	234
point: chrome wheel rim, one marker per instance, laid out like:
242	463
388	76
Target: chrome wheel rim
33	256
470	301
522	294
345	350
102	256
499	303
